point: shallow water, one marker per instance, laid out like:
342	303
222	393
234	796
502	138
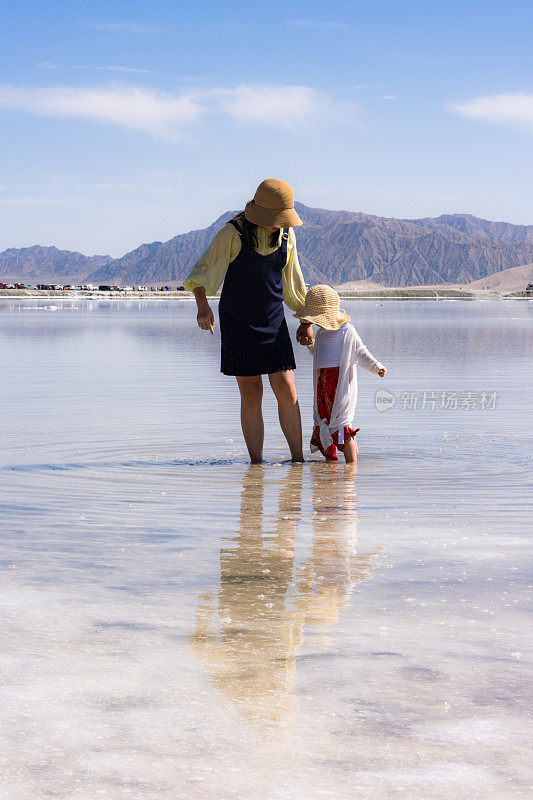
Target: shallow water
178	624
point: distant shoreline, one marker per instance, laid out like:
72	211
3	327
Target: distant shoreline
408	293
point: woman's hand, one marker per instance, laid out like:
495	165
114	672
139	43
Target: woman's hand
304	334
382	372
205	318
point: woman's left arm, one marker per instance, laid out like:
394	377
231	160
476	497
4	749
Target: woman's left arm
294	289
293	280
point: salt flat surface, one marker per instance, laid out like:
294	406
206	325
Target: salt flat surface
178	624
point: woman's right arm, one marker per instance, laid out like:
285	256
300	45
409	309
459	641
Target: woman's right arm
210	270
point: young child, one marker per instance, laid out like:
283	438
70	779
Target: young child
336	351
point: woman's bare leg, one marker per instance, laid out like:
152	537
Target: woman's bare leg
350	451
253	429
288	411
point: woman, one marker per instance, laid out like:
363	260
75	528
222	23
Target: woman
255	255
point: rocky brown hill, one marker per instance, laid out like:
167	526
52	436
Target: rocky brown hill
506	280
454	248
159	262
342	246
39	264
336	247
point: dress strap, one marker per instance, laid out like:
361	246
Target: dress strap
235	225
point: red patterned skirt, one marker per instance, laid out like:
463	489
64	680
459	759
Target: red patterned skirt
328	377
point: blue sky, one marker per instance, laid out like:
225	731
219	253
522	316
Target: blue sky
129	122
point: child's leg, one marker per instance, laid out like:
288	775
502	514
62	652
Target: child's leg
350	451
331	453
325	396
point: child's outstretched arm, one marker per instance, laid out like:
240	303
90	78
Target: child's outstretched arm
364	358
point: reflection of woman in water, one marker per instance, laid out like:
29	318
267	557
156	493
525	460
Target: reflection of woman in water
248	653
249	642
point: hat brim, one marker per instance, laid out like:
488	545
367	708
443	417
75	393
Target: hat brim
330	322
271	217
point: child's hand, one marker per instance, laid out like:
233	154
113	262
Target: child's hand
382	372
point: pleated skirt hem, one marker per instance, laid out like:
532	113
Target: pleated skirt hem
246	360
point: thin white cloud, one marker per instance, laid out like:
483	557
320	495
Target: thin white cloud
167	114
286	106
515	108
158	113
129	27
320	25
389	97
110	68
46	65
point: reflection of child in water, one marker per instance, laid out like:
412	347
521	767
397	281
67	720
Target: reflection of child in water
337	350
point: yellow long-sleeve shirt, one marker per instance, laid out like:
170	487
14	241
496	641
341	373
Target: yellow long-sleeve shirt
210	269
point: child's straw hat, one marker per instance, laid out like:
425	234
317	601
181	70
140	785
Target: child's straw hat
273	205
322	308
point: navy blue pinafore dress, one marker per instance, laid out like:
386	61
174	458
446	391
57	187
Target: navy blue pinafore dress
253	329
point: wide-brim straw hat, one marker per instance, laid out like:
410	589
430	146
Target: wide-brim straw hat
322	308
273	205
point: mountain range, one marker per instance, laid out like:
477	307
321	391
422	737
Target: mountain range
334	247
47	264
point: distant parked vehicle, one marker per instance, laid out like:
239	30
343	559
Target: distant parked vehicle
116	289
142	289
10	286
20	286
529	287
181	288
104	289
3	285
127	288
69	287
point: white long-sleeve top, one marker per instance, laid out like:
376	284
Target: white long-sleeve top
346	347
